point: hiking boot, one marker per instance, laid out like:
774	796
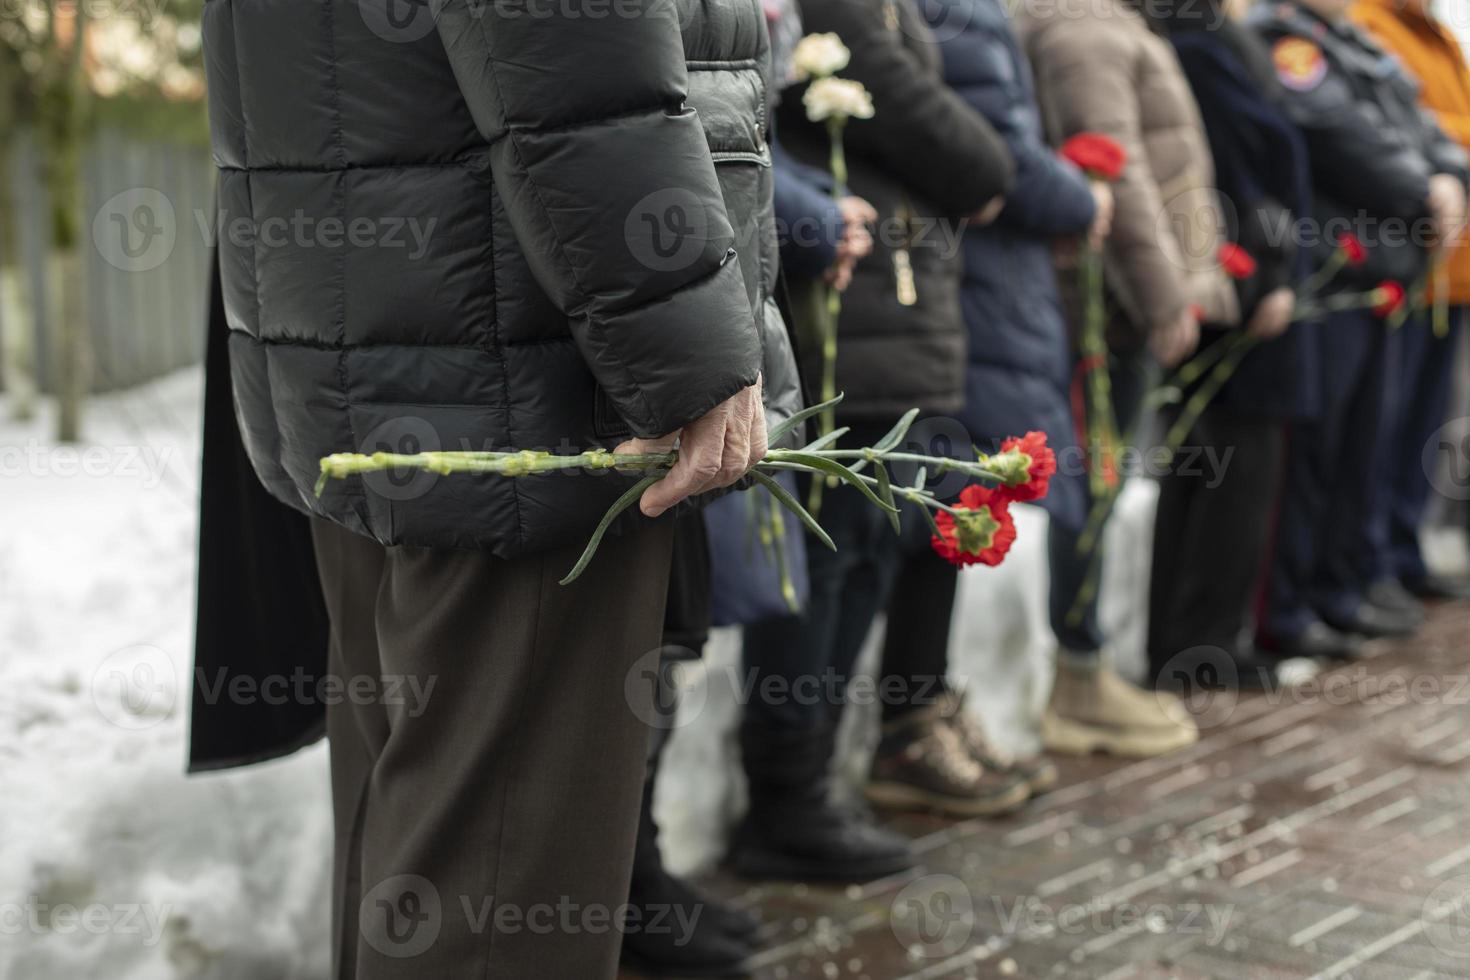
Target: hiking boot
1038	772
923	762
1092	709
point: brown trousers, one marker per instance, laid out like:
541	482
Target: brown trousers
487	754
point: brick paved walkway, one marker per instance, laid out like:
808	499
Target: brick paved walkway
1323	833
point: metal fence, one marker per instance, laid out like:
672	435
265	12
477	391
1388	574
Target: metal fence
146	239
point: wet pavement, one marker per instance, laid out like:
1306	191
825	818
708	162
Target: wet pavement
1321	832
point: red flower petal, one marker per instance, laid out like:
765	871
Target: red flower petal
1097	155
1390	297
1236	261
948	544
1352	247
1043	467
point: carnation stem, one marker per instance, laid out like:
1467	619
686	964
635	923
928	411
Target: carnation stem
818	460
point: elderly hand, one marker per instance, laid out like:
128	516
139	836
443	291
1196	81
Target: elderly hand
1174	342
1272	315
714	451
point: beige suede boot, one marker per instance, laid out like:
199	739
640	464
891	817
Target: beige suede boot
1092	709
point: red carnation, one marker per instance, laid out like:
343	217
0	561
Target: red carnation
1098	156
1236	261
980	533
1387	298
1352	248
1038	473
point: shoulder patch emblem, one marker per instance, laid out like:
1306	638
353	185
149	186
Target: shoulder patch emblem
1300	64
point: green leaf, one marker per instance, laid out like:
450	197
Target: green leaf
929	516
836	469
919	479
792	504
896	434
811	411
826	441
885	490
619	505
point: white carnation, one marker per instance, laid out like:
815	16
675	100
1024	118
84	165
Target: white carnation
837	98
819	55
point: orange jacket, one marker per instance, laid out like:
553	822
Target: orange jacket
1431	53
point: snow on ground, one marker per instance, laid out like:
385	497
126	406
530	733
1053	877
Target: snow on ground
114	865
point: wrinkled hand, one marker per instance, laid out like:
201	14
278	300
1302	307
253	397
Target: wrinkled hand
990	211
1173	343
1102	221
714	450
1446	203
1272	315
856	242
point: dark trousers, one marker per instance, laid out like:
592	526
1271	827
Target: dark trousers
1426	369
1321	564
485	825
916	644
1132	374
798	666
1210	535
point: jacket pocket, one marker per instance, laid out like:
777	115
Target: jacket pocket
606	422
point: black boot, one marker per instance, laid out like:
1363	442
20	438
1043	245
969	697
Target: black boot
672	929
793	830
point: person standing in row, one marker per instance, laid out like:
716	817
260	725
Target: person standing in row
1099	68
1385	173
1212	528
932	753
1409	30
926	162
552	308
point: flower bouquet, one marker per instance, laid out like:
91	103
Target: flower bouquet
977	528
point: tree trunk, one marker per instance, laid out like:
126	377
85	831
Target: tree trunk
61	124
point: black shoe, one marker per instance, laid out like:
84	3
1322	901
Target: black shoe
1438	587
673	930
816	842
660	941
1318	640
1390	595
792	830
1372	620
726	918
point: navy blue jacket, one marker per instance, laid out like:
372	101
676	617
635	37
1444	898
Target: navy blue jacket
808	223
1264	178
1019	372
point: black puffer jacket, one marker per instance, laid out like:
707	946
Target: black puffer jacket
489	225
926	161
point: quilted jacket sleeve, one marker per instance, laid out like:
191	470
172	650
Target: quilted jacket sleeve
608	183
